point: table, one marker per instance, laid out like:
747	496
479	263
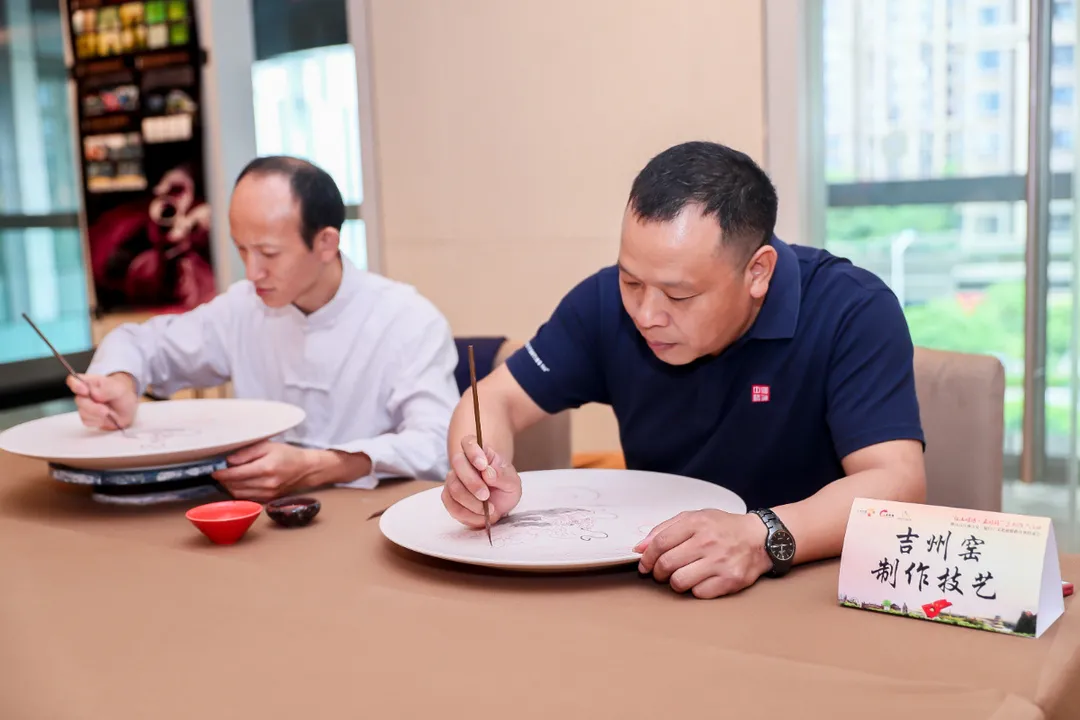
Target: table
122	612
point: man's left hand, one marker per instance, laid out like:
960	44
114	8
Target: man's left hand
709	552
266	470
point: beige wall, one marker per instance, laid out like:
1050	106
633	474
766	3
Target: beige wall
508	133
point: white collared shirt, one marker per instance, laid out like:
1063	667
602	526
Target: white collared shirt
373	368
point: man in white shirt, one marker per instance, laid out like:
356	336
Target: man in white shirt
369	359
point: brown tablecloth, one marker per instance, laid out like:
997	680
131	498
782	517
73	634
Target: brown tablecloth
121	612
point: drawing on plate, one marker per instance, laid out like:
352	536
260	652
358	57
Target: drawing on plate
558	523
159	438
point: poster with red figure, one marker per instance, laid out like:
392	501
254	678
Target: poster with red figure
137	74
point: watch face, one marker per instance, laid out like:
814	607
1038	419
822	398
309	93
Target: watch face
782	545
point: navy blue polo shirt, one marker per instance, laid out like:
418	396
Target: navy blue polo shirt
826	369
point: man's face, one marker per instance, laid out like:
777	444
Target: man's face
688	296
264	220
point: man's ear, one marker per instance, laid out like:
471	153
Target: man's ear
326	244
759	271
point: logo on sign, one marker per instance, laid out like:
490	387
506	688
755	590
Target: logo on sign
871	512
759	393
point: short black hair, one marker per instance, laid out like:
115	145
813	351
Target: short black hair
725	183
320	200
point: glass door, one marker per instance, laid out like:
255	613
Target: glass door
1063	262
927	141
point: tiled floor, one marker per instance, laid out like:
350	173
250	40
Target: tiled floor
1018	497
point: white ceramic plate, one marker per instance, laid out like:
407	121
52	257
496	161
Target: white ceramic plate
566	520
167	432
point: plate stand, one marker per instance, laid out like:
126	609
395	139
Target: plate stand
146	486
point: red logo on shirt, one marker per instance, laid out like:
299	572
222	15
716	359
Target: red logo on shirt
760	393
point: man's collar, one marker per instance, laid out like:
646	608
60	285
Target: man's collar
779	314
329	313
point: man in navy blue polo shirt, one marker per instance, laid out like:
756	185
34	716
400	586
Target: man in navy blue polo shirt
780	372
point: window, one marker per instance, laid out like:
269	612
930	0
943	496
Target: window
1060	222
989	60
990	147
42	269
1063	56
952	250
305	91
926	153
947	229
990	102
954	152
892	10
989	15
832	153
987	224
927	14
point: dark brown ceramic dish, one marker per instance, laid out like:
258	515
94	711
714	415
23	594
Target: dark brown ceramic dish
293	511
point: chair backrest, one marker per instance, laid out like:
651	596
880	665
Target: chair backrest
544	446
962	407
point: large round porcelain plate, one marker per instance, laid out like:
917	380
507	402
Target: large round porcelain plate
167	432
566	520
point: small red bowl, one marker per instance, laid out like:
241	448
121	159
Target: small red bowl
224	522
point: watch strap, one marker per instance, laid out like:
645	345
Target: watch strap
773	524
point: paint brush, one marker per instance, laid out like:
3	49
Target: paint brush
71	370
479	434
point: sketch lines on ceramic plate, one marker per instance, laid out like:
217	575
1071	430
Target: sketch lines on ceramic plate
160	438
563	523
558	524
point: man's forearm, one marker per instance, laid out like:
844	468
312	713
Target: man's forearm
496	426
330	467
170	352
819	522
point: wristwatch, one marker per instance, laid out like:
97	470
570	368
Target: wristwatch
779	543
